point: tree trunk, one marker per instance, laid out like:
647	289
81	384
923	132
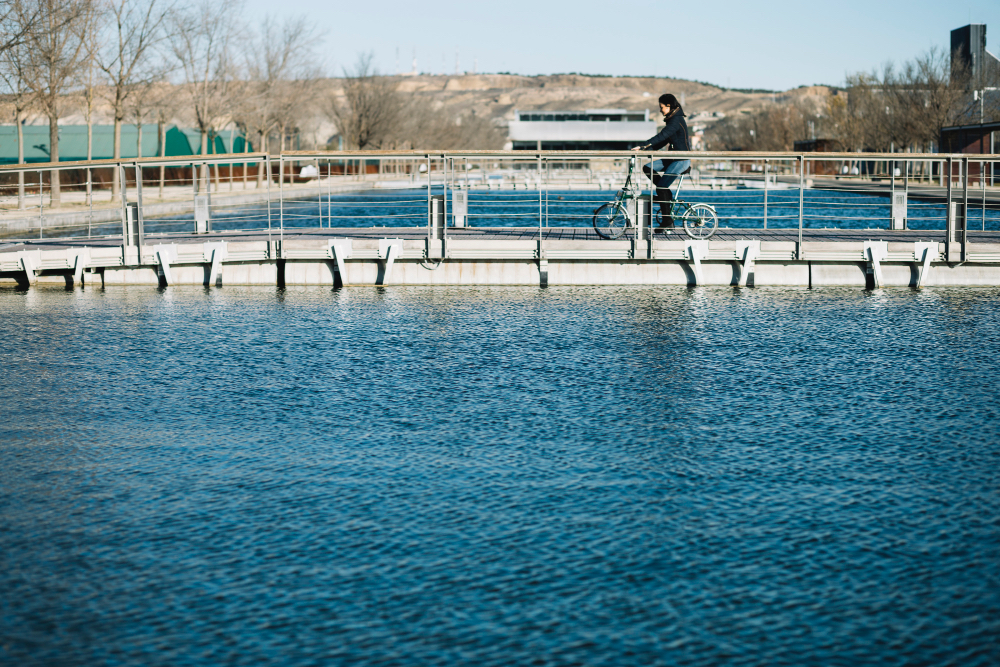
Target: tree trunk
90	151
246	149
203	180
116	154
138	151
20	160
281	164
54	198
161	138
232	149
215	167
260	165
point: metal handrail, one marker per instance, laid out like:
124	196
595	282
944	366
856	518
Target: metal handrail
298	156
443	171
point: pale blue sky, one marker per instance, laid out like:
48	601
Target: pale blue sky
774	44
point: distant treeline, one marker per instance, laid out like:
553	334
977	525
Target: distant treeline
892	109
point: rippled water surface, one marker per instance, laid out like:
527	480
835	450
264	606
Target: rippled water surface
499	476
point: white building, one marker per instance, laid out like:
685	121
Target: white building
592	129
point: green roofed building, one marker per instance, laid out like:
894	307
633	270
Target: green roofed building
73	142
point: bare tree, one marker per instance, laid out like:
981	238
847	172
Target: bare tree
134	27
944	83
431	127
889	109
273	57
295	100
141	106
56	49
368	108
904	107
775	127
89	100
12	72
202	43
165	105
18	18
844	124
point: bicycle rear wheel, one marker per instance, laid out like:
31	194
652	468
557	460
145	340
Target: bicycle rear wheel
700	221
610	220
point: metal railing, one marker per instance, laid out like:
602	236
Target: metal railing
752	192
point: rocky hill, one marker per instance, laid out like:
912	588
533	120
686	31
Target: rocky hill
498	95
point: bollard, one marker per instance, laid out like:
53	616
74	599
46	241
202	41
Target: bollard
437	217
459	207
130	225
898	210
202	218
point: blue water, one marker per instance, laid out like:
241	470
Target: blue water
499	476
522	208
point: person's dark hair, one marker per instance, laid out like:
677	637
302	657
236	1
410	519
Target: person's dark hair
671	101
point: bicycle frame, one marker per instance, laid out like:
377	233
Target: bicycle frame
698	220
627	191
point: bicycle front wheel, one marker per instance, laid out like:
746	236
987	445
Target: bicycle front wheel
700	221
610	220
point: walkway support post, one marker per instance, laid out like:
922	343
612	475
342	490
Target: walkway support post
949	212
430	210
444	203
748	257
138	210
965	209
924	253
41	203
543	261
765	194
802	185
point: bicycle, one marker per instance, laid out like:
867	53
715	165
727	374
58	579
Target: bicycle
700	221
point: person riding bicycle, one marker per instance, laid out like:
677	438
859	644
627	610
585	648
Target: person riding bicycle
664	172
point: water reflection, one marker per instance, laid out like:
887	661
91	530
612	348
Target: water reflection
499	475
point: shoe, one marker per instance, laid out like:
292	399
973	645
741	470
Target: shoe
666	220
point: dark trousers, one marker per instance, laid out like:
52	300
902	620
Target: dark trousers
663	173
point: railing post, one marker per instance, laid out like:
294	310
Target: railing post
906	189
949	212
138	210
444	203
539	197
892	192
129	218
965	209
544	182
652	200
543	262
267	174
208	190
765	194
802	185
430	211
41	203
281	196
438	224
90	202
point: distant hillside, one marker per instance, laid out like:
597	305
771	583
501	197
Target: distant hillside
498	95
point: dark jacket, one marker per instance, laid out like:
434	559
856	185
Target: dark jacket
674	133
